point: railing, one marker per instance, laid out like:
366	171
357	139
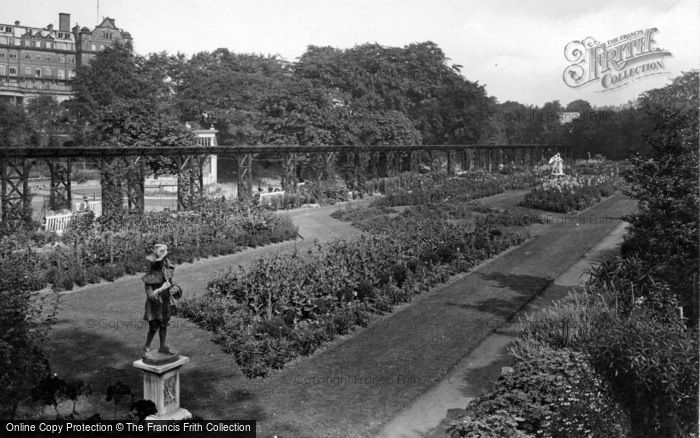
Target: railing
93	206
58	222
266	198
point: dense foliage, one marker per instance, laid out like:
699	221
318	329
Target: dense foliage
436	187
664	233
312	192
548	393
24	324
112	248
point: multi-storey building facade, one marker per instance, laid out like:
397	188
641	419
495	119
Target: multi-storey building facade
43	61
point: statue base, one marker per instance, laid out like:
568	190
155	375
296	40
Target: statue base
180	414
161	385
158	358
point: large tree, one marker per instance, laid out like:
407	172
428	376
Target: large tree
15	126
123	100
47	118
226	89
416	80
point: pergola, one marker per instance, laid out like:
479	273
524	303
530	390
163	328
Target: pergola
15	164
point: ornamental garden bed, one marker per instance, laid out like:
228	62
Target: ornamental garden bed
106	249
571	193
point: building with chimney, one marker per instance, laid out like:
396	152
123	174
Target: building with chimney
38	61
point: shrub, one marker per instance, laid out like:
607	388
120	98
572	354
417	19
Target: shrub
653	369
25	319
571	322
664	231
549	393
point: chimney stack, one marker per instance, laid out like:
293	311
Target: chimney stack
17	23
64	22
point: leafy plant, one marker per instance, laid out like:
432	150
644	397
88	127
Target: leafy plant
548	393
118	393
652	368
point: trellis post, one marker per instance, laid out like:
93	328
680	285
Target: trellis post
16	199
135	186
289	172
60	186
245	176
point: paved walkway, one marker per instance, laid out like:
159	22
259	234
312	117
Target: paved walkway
99	334
432	412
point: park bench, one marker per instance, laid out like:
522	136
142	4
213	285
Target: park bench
59	222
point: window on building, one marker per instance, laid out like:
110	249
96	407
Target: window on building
28	56
28	71
2	70
4	40
48	58
93	47
71	74
13	55
47	72
37	72
13	71
62	59
61	74
37	43
2	54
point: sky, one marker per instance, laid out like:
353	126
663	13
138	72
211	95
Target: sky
513	47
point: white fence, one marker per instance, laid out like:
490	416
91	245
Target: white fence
93	206
59	222
266	198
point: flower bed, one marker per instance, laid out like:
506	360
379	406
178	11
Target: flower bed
312	192
566	194
90	251
435	188
285	306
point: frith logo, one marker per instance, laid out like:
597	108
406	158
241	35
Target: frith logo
614	63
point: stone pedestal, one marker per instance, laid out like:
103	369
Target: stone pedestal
161	385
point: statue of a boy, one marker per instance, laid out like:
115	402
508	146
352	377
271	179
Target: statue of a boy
160	298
